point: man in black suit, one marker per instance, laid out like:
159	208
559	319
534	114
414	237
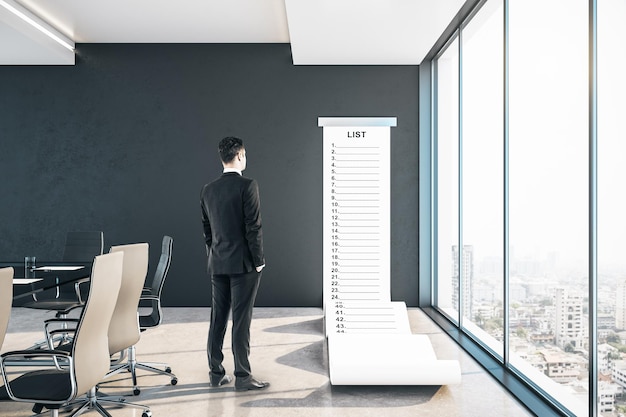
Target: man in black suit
231	216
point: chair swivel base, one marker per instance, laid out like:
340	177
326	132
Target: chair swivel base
93	402
132	365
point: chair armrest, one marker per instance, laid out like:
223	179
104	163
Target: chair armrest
16	355
31	354
61	331
61	320
77	285
152	298
58	321
70	309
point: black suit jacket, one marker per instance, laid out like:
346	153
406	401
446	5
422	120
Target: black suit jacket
231	216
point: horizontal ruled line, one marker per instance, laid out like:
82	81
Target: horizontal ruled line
357	180
359	285
357	193
361	151
369	321
359	259
358	279
356	167
369	328
357	233
355	160
356	220
354	147
358	292
359	253
359	206
358	246
365	314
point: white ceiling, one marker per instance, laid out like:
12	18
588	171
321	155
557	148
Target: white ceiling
321	32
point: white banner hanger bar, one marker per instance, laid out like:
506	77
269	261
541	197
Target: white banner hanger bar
357	121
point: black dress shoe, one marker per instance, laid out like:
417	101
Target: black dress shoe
250	384
219	381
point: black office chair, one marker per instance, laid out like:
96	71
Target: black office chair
80	248
151	298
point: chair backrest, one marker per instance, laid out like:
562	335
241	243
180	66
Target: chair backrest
83	246
163	266
80	247
6	299
124	328
90	349
156	286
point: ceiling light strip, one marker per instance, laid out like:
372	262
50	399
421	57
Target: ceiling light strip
37	23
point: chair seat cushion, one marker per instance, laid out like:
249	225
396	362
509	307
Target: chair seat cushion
54	305
147	322
44	387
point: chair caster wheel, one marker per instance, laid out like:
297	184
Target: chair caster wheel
174	381
136	391
168	370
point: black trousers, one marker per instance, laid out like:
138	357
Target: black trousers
236	292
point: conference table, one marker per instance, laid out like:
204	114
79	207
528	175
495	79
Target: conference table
46	276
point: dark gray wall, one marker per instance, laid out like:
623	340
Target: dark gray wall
124	140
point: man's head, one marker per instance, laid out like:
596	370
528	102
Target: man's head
232	153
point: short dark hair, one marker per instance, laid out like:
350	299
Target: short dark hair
229	147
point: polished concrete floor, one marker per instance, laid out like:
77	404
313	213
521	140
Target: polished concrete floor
288	350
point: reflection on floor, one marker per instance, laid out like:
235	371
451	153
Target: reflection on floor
288	349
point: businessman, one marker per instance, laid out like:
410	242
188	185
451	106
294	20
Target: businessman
231	216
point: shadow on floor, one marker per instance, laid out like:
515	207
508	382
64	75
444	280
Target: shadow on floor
354	396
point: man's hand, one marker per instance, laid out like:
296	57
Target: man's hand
260	268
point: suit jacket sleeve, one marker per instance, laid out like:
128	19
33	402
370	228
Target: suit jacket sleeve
206	225
252	220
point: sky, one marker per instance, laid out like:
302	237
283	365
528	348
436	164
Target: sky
548	133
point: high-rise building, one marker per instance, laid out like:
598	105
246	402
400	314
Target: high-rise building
570	326
620	306
466	278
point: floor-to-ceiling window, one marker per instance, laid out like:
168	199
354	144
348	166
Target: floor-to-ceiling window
482	175
446	293
548	195
512	194
611	58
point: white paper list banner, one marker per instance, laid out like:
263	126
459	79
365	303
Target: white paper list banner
356	209
361	317
407	359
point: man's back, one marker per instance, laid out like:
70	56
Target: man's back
232	224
